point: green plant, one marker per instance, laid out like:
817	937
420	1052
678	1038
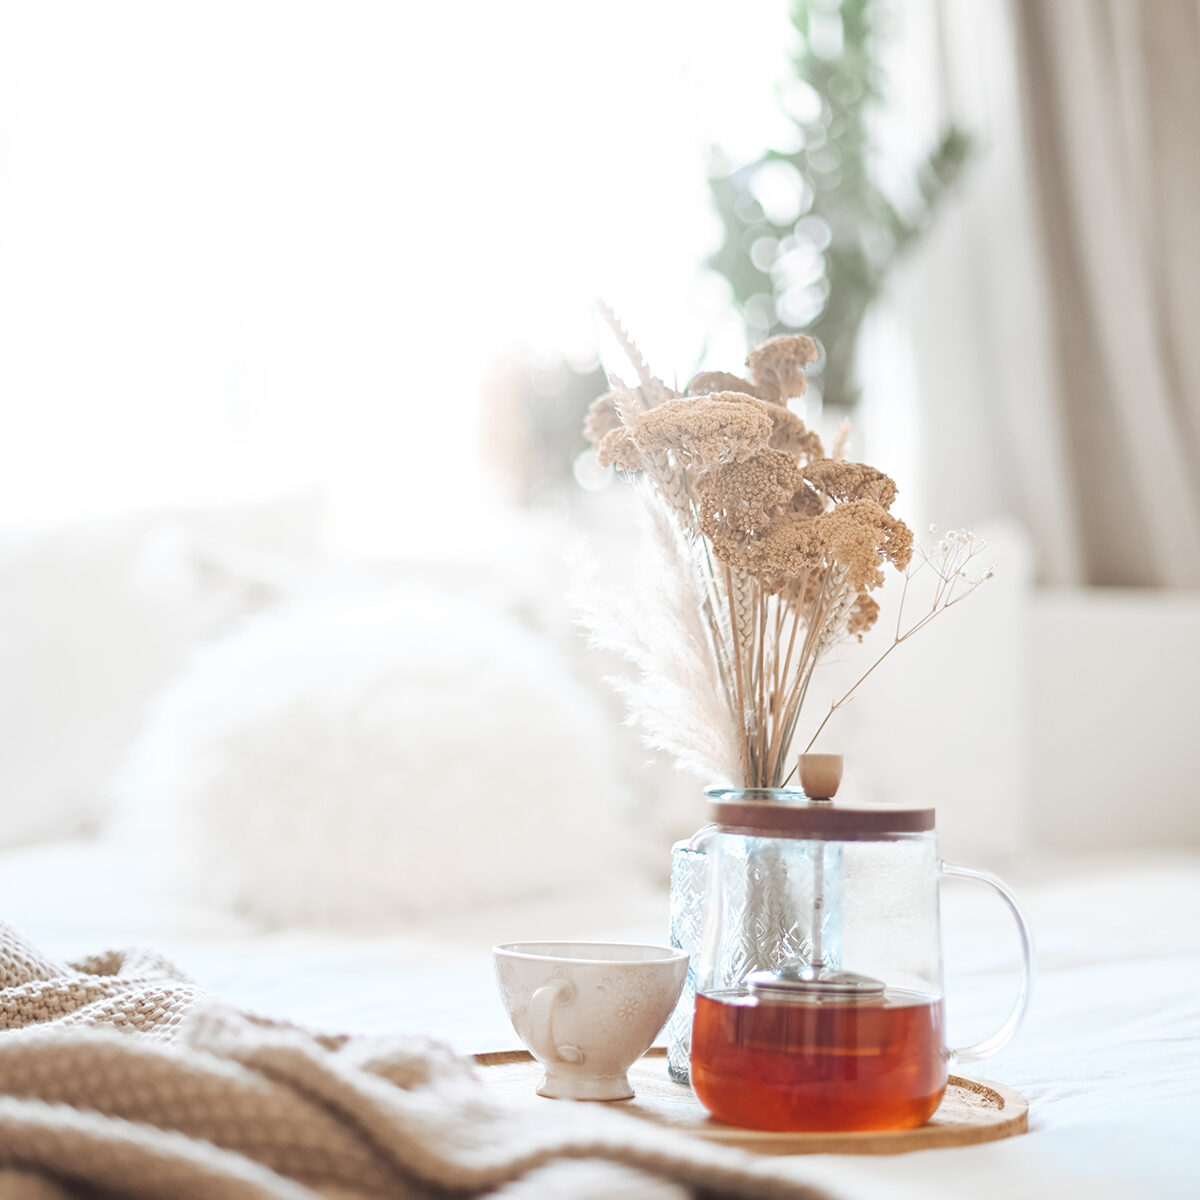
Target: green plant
810	232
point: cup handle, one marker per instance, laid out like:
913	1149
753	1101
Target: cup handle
1004	1034
541	1023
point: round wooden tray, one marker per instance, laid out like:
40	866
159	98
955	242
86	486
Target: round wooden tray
972	1111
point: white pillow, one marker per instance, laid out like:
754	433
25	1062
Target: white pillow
94	618
362	756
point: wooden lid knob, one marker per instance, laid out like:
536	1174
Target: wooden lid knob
820	775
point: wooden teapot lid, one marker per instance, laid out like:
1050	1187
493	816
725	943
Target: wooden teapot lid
812	813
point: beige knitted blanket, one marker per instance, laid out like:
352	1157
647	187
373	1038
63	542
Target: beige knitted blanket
120	1078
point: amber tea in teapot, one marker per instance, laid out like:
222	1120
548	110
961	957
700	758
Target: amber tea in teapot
875	1064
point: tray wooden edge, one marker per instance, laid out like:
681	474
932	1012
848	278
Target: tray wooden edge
1011	1107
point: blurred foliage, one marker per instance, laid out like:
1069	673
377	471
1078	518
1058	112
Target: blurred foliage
810	235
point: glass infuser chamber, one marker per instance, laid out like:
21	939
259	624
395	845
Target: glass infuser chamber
819	992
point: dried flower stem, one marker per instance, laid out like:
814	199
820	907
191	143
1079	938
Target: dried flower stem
809	655
761	714
739	662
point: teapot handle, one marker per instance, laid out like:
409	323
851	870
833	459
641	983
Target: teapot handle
1004	1034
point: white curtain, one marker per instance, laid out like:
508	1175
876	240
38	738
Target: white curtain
1056	314
1113	114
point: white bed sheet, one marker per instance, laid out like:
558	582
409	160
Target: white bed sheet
1109	1056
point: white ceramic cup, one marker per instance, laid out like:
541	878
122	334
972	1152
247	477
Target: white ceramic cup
588	1010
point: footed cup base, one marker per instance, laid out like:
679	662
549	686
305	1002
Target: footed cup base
558	1085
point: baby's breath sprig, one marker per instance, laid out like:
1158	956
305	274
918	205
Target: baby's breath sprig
949	562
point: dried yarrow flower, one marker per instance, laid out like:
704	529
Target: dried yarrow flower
785	548
616	449
602	418
622	405
722	381
807	502
843	481
791	545
793	437
718	428
860	537
863	615
740	498
778	364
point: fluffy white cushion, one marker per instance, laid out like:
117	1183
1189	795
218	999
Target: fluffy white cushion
95	616
363	756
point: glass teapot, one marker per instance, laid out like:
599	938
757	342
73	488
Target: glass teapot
819	994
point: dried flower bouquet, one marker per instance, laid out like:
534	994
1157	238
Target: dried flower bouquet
763	556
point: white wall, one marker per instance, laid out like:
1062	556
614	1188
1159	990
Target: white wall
1116	718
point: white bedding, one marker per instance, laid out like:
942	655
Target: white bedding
1109	1056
